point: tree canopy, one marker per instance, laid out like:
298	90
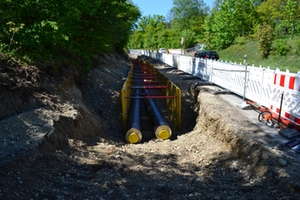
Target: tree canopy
49	29
221	26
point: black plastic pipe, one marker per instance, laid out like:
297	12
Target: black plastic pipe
161	128
134	135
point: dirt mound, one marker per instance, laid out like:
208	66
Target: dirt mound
66	142
40	113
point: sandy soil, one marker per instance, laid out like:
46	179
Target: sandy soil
61	138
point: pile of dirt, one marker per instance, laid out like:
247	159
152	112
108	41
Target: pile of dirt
61	137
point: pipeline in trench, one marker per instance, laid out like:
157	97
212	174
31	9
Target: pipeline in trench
145	92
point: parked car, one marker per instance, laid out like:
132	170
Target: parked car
209	54
162	50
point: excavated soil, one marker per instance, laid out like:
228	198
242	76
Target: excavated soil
61	137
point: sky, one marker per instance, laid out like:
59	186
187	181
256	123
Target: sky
159	7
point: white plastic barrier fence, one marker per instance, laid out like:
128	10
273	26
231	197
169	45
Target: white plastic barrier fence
136	51
287	84
261	85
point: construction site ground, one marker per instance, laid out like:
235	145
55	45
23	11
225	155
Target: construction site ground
61	137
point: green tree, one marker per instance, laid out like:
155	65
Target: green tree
271	11
290	16
233	19
189	38
265	36
148	31
169	38
188	14
209	33
77	28
282	15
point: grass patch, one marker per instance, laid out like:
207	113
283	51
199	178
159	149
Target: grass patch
291	62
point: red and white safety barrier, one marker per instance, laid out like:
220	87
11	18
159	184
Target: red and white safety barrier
289	85
287	81
286	117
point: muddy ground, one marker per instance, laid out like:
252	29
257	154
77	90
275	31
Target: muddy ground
61	137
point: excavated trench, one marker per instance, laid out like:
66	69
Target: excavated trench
80	129
147	113
224	123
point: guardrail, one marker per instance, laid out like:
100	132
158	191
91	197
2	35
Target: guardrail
261	85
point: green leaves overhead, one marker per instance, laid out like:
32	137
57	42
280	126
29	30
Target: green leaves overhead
53	28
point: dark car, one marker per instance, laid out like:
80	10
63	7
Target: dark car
209	54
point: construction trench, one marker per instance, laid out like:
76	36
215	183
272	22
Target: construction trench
215	155
148	101
151	105
245	140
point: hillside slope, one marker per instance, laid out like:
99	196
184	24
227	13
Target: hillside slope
236	53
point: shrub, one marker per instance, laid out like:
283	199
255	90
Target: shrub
265	36
281	47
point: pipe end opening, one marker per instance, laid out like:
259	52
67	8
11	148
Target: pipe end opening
133	136
163	132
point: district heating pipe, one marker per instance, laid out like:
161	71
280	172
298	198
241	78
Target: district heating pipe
161	128
134	135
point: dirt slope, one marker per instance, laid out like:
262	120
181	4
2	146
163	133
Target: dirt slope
61	138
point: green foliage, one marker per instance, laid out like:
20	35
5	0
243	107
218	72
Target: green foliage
235	53
240	40
233	25
297	46
208	33
169	38
13	29
150	33
289	19
188	14
265	37
233	19
281	47
187	19
283	16
55	29
189	38
291	15
228	22
270	11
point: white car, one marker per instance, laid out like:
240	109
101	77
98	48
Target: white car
162	50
